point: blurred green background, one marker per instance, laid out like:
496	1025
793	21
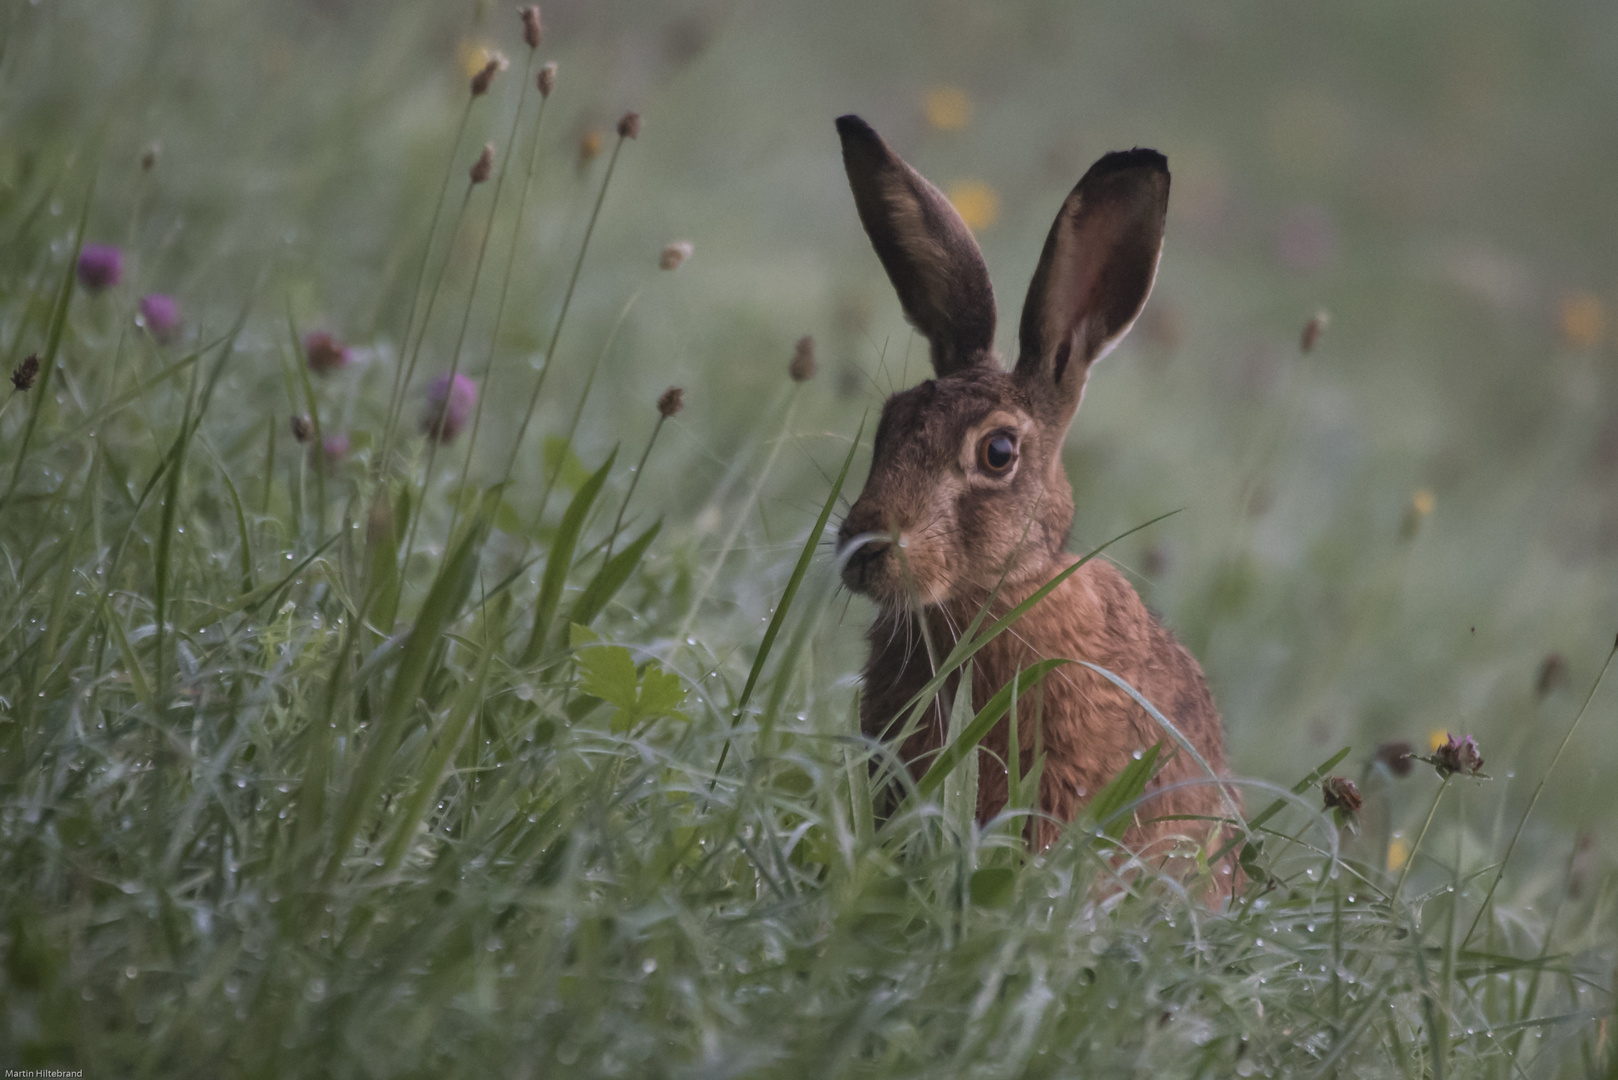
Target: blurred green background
1383	538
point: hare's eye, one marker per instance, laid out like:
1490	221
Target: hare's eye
997	452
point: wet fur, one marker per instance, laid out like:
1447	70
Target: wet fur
934	534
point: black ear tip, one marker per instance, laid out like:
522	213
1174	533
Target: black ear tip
1123	160
852	126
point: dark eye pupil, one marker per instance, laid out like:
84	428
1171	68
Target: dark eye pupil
997	454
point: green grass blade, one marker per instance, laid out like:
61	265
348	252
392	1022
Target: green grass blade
1123	791
560	559
983	723
610	578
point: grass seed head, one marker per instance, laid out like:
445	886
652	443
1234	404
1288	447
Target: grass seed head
532	31
589	147
325	353
629	126
674	254
24	374
802	367
1312	330
148	157
483	165
1552	674
160	316
547	79
302	428
671	401
491	67
101	266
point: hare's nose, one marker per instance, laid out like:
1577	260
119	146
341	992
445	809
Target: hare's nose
860	554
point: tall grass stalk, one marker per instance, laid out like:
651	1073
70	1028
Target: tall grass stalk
561	318
402	373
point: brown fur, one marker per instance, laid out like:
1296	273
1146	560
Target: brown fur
942	527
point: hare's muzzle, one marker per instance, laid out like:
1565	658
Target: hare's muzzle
863	557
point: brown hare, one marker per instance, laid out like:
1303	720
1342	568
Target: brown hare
967	499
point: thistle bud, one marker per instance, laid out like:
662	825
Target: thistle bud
671	402
483	165
302	428
802	367
674	254
629	126
547	79
532	32
1341	793
24	374
491	67
1312	331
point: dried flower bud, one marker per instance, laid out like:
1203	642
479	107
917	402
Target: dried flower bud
449	406
671	401
1398	755
24	374
532	32
483	165
302	428
325	353
148	157
1312	331
674	254
101	266
802	368
1552	674
160	316
547	79
589	146
1341	793
629	126
491	67
1458	755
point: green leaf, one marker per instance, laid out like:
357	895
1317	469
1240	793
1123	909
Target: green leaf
609	674
661	692
1122	791
993	886
560	559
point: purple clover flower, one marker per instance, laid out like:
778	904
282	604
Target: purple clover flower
160	315
449	407
100	266
335	446
325	353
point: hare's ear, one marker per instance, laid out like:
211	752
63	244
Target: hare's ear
925	247
1093	277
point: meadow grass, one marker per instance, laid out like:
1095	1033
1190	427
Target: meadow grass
394	762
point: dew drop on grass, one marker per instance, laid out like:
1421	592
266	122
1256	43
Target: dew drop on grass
1137	755
648	965
130	972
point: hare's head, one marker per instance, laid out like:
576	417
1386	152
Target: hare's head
967	487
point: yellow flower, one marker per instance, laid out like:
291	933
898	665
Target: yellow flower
1398	853
1436	738
1582	318
976	202
1422	502
471	57
947	108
